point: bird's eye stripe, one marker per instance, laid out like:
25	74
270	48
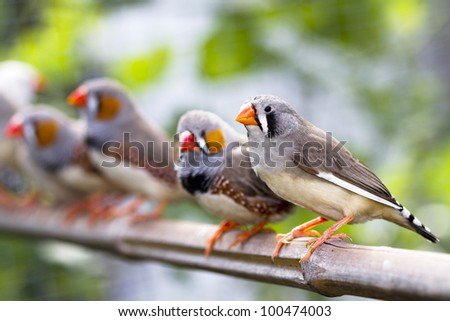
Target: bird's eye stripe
256	118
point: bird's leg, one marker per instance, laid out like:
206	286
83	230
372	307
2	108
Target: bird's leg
244	236
302	230
106	209
223	227
31	198
130	208
329	233
153	214
82	206
7	198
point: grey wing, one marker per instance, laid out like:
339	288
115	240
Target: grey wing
331	161
152	140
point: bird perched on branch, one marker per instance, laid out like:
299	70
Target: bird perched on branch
306	166
8	147
131	152
55	157
213	168
19	82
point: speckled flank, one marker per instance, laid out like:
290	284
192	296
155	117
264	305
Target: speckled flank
257	206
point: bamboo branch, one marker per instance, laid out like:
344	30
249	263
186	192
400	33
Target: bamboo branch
336	268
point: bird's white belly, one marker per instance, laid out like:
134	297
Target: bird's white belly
320	196
78	179
225	208
132	179
7	156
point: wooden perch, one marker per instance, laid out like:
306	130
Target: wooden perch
336	268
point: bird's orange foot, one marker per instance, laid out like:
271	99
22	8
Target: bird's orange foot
244	236
223	227
104	209
313	244
29	199
81	207
300	231
7	198
284	239
328	234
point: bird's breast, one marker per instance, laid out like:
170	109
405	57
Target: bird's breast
226	208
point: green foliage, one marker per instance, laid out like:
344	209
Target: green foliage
232	47
53	45
141	70
26	275
350	23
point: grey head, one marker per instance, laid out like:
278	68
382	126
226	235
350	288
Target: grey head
205	144
270	117
108	109
51	142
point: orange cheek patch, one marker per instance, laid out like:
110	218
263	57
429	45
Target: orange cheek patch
215	140
108	108
46	132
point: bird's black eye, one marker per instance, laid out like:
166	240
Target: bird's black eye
203	133
268	109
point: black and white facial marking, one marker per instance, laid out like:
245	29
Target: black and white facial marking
93	102
198	168
201	141
274	117
267	120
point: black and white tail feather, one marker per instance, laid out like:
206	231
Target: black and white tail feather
408	220
417	225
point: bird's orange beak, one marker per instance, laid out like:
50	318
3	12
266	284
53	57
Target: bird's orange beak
187	141
247	115
14	128
78	97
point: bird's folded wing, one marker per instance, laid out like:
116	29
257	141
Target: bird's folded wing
337	165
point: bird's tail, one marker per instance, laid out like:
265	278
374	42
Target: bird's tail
408	220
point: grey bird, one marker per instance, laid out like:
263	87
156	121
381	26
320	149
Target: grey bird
55	157
313	170
131	152
19	82
8	149
7	146
213	168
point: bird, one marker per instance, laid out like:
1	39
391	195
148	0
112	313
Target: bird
8	147
54	156
20	81
212	167
308	167
129	150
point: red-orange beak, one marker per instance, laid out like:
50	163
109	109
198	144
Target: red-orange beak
14	128
78	97
187	141
247	115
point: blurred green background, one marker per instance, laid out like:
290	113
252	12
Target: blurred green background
375	73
